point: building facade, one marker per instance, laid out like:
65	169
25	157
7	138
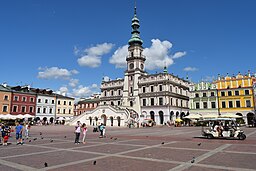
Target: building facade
45	105
23	101
235	95
64	107
204	99
86	105
139	95
5	99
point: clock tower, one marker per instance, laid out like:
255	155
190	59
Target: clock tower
135	68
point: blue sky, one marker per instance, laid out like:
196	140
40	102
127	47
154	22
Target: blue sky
68	46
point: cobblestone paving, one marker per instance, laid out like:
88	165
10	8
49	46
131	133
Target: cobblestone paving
159	148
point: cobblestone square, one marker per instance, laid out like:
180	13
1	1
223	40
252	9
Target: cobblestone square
158	148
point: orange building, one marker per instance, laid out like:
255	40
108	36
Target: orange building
5	99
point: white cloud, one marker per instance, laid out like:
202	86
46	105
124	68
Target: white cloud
92	55
179	55
190	69
55	73
157	56
208	78
83	91
76	50
63	91
119	57
73	82
89	61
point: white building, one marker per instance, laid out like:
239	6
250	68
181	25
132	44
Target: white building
161	97
45	105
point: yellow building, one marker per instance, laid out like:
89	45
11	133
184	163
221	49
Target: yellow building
235	95
5	100
64	108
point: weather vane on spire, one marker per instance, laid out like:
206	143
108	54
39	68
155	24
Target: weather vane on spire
135	7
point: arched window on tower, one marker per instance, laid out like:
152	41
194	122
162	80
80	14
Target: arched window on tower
132	54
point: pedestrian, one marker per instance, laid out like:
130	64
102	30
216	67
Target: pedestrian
27	130
19	130
77	132
84	129
5	140
101	128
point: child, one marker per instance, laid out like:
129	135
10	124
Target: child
5	142
84	129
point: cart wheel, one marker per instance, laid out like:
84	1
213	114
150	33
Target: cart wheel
242	137
210	136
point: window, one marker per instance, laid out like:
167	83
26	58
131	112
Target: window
176	90
238	103
64	111
152	101
105	93
6	97
105	103
5	108
160	88
212	94
118	103
58	102
16	98
119	92
46	100
64	103
38	110
58	110
160	101
69	111
213	105
170	88
144	89
31	99
31	109
248	103
112	93
205	105
171	101
204	94
230	104
50	110
152	88
229	93
246	92
52	101
112	103
39	100
237	93
222	93
15	108
223	104
69	103
23	99
44	110
144	102
131	103
197	106
197	95
23	109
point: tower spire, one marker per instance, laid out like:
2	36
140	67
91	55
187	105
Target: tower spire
135	39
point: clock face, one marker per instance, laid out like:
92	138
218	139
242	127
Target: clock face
131	66
141	66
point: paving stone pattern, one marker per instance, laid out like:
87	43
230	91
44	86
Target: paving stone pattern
135	149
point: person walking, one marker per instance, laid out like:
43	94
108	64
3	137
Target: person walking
19	130
84	129
77	132
27	130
